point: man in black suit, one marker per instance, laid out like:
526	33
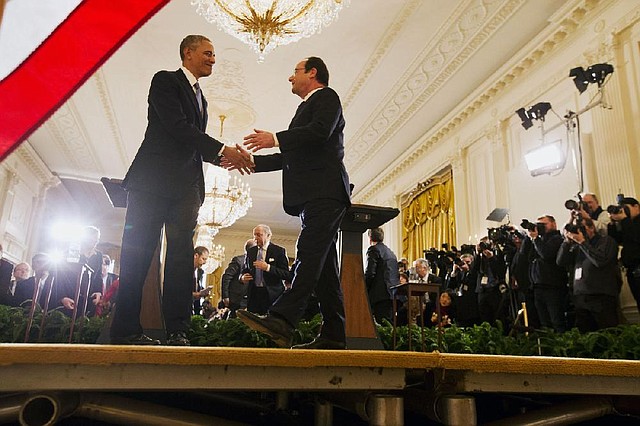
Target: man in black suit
200	290
25	289
234	291
315	188
265	268
381	273
165	185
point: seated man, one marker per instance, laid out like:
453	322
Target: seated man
21	272
42	278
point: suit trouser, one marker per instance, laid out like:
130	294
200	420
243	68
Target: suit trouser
146	214
316	268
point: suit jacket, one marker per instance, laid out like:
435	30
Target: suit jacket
381	272
174	146
198	285
276	257
311	153
24	292
232	287
6	269
67	276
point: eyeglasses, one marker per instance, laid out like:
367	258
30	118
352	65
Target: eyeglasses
295	70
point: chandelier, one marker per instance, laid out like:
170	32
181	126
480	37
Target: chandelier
225	201
266	24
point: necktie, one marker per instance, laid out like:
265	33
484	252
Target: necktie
198	96
258	278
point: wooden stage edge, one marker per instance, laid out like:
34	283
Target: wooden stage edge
113	355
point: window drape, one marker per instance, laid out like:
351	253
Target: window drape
428	217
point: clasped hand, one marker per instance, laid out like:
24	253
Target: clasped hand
237	158
259	140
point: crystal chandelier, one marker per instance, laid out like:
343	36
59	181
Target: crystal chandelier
266	24
225	201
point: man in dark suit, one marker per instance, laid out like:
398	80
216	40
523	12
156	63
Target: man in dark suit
234	291
200	290
315	188
68	273
42	278
265	268
381	273
165	185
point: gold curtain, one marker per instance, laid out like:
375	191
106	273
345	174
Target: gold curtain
428	217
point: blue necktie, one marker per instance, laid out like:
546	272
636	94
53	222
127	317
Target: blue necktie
258	278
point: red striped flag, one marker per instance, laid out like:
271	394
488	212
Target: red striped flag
89	35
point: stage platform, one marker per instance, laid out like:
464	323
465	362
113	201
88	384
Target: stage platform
29	368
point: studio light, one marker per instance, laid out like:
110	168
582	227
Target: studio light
536	112
526	121
539	110
545	159
596	73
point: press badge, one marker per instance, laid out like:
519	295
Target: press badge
484	280
578	274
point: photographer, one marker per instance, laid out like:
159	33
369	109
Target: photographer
520	280
490	269
589	208
592	258
463	281
549	280
625	229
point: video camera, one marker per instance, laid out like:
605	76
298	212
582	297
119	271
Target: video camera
435	256
503	235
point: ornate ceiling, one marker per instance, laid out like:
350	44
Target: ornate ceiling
401	67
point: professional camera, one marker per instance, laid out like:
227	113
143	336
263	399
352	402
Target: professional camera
577	205
530	226
574	227
613	209
483	245
616	208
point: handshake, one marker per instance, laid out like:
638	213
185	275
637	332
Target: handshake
239	158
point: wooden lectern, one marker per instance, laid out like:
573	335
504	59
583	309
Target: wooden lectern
151	313
360	328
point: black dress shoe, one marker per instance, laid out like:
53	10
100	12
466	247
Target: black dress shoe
279	330
321	343
135	339
179	338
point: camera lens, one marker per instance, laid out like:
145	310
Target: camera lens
571	205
